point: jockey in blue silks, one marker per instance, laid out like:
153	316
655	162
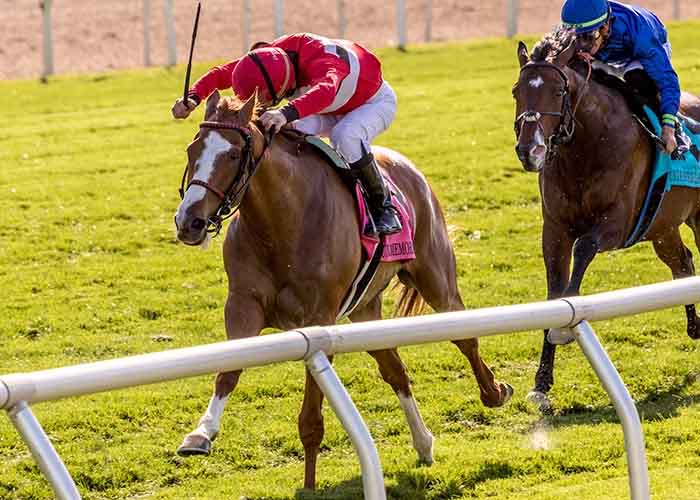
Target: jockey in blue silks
635	42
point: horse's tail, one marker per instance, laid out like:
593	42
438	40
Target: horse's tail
410	301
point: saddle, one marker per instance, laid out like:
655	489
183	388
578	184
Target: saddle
341	167
640	107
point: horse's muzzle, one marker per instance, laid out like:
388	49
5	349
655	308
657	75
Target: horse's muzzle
532	156
192	230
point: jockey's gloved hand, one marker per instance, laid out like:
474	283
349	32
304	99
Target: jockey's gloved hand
669	137
181	110
273	120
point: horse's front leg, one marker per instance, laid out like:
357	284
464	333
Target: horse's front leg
244	318
601	239
585	249
557	243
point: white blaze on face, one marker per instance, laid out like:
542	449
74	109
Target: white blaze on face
422	438
214	146
539	138
536	82
210	423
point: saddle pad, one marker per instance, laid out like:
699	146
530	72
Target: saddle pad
398	246
666	173
389	248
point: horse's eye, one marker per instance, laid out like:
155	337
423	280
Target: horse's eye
234	155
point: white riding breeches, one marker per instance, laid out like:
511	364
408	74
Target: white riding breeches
354	131
638	65
621	68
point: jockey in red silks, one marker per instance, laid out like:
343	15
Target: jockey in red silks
335	89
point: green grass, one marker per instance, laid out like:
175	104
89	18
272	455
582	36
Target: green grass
90	270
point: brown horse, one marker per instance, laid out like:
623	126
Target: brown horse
293	250
594	163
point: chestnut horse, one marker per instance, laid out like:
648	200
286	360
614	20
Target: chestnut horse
292	252
594	162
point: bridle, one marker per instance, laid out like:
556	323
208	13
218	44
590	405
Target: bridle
232	197
564	132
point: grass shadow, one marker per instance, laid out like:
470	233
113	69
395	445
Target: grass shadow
424	484
415	484
655	406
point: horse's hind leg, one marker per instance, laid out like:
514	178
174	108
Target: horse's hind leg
394	373
435	278
671	250
694	224
244	318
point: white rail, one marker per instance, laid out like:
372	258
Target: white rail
513	9
47	45
146	33
246	17
401	23
169	14
279	18
18	390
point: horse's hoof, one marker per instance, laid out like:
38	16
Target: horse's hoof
425	450
560	336
540	400
194	444
693	330
493	400
507	391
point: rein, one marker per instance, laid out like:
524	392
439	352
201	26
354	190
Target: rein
232	197
567	122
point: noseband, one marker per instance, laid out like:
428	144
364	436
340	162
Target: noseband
232	197
567	125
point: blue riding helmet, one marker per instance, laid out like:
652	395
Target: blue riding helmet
585	15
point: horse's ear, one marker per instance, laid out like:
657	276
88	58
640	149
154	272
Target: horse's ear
523	56
247	111
565	55
212	102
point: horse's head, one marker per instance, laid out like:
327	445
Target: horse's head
220	164
543	112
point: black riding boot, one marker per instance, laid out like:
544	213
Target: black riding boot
384	214
640	81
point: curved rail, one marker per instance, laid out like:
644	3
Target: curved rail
18	390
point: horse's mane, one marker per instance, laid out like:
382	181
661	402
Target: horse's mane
552	44
229	106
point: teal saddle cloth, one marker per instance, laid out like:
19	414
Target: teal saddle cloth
666	173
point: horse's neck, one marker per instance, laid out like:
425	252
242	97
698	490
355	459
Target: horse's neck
603	124
601	166
280	192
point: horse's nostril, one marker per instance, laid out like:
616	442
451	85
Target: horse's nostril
198	224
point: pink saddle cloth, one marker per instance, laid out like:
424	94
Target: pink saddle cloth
398	246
